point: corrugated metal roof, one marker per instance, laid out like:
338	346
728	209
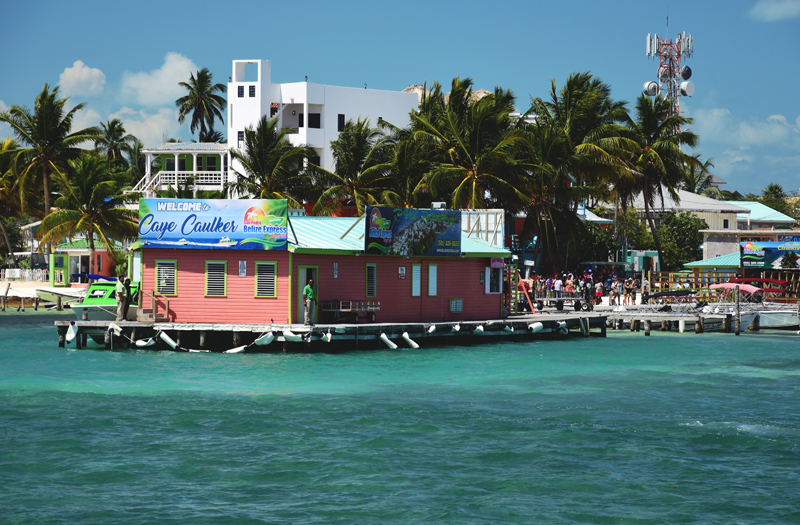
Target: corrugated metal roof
331	233
723	261
761	213
690	202
83	244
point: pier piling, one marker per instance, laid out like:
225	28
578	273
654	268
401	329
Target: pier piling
647	327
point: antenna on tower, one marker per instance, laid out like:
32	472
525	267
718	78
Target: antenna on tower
672	80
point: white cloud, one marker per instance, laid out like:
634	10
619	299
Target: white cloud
82	80
719	125
86	118
150	128
774	10
160	86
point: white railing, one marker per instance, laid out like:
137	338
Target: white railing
162	179
19	274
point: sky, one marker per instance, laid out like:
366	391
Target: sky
124	60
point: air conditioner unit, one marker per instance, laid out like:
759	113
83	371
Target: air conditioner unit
438	205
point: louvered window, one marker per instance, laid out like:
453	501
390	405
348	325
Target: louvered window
432	279
372	278
215	278
266	280
456	306
416	280
165	277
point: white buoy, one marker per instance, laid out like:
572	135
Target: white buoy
508	328
478	330
265	339
141	343
167	339
410	341
327	337
72	331
535	327
386	340
291	337
237	350
432	329
562	327
681	326
455	328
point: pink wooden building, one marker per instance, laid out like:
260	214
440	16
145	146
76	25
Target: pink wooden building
244	286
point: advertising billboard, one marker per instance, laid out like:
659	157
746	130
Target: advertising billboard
408	232
213	223
767	255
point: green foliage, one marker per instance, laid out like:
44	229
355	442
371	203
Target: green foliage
681	239
14	235
113	142
596	244
789	260
631	230
202	103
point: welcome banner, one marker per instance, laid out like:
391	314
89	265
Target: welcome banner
408	232
213	224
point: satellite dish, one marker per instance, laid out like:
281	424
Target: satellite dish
687	88
650	88
664	73
686	72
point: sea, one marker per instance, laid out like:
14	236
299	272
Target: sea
671	428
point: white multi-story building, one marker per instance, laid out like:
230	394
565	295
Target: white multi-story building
313	113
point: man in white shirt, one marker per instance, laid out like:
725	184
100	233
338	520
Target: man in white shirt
557	284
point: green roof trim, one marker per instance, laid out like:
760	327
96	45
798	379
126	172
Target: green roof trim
83	244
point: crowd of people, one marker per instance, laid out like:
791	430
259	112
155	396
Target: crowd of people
589	286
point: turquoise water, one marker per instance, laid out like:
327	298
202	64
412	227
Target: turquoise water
666	429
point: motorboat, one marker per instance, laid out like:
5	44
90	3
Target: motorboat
100	302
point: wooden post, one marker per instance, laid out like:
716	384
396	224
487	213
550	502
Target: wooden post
78	341
179	338
726	324
697	324
638	325
633	325
8	286
3	301
647	327
702	324
603	332
107	339
62	336
59	306
84	338
237	339
664	325
85	314
202	339
738	311
22	303
36	304
756	325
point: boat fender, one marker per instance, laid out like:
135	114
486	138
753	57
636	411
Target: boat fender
508	328
432	329
141	343
265	339
535	327
115	329
477	330
291	337
72	331
197	351
410	341
455	327
167	339
327	337
237	350
562	327
389	343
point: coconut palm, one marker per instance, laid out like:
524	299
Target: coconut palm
47	141
113	142
270	164
655	142
137	162
211	136
697	177
9	193
409	162
91	205
202	103
361	158
473	141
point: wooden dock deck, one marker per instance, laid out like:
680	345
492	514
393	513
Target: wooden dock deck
220	337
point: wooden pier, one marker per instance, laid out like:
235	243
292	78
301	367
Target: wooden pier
337	337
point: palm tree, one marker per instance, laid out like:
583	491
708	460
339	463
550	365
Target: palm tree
202	102
361	168
774	190
473	142
270	163
211	136
137	162
47	141
91	204
9	192
697	177
656	152
113	142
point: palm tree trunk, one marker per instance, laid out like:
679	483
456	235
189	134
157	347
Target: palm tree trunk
8	242
46	187
91	254
646	196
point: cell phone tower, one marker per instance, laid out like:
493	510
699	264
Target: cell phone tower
673	80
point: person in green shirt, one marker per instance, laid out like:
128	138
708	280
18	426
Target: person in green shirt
122	295
308	301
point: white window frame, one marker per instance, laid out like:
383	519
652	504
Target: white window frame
433	272
164	266
416	280
374	290
488	280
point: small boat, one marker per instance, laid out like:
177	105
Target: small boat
100	302
51	295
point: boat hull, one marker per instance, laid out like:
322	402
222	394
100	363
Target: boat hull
778	319
51	296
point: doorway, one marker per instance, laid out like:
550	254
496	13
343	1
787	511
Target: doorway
304	273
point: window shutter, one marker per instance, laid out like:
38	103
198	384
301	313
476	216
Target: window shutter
215	279
372	278
416	280
432	278
165	277
456	306
265	280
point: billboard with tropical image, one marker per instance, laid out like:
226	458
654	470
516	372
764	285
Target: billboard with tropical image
213	223
770	255
409	232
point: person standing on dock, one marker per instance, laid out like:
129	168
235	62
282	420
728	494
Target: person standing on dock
122	294
127	298
308	302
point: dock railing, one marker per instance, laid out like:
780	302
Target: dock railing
697	281
151	314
